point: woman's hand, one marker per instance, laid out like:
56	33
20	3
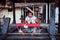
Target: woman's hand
37	21
25	22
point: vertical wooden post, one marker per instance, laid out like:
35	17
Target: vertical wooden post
14	20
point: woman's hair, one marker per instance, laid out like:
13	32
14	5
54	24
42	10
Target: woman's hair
30	12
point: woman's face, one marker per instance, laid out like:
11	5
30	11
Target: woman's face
30	15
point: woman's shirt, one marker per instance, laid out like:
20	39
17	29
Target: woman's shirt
30	20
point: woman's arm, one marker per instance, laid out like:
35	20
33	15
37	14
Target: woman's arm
37	20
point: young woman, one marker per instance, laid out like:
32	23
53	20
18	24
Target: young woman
29	20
